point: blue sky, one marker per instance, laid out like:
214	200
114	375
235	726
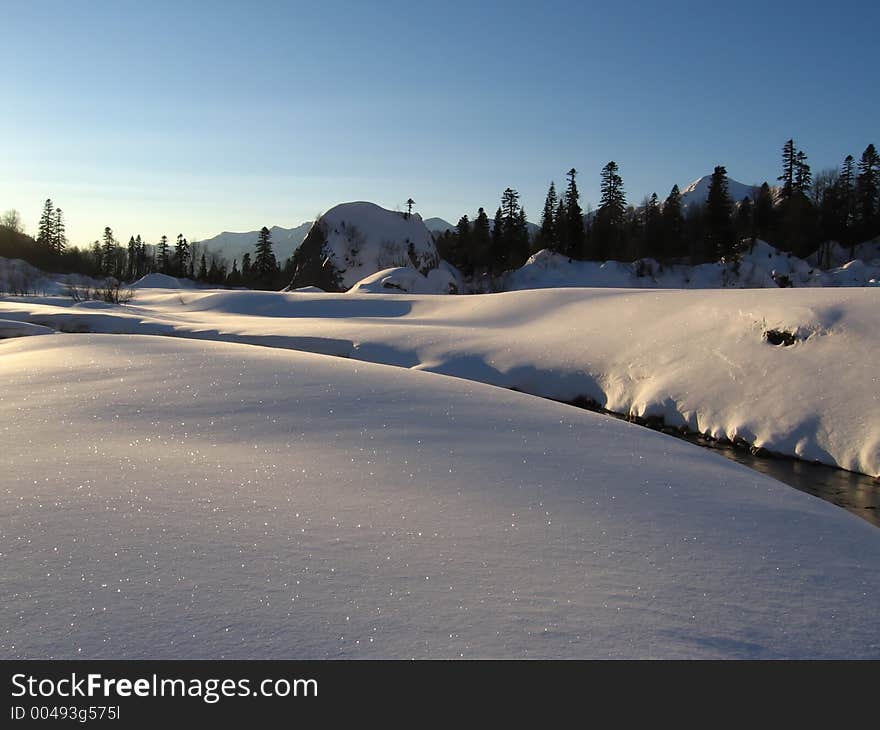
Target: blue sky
201	117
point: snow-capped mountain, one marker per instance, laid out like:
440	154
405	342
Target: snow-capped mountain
438	225
234	245
698	191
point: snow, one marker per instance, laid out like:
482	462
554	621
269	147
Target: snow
363	238
163	281
174	498
233	245
698	191
762	266
12	328
407	280
697	359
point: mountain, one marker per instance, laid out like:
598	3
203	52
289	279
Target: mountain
438	226
698	191
354	240
234	245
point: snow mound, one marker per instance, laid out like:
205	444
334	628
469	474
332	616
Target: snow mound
407	280
13	328
761	266
363	238
320	508
163	281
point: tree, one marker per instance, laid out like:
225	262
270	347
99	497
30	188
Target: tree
481	242
867	187
11	220
409	206
462	251
610	218
719	228
653	228
265	266
109	247
181	256
60	238
203	269
763	215
46	227
164	260
789	166
549	234
131	259
803	178
574	217
673	224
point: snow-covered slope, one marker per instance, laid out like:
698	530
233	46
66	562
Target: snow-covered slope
169	498
698	191
698	359
234	245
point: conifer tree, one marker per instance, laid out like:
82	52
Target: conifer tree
610	217
108	253
549	236
653	228
203	269
574	217
164	259
462	252
867	189
46	227
181	256
803	177
131	261
265	266
789	166
481	238
719	229
409	206
60	234
497	257
246	269
673	224
763	215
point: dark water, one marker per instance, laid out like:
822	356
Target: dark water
857	493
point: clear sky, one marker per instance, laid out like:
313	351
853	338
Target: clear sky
169	117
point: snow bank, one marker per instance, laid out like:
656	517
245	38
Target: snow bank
761	267
163	281
12	328
698	359
407	280
207	500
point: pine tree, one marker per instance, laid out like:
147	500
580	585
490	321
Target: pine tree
497	256
462	250
867	188
719	228
60	235
409	206
140	257
46	227
549	235
574	217
265	266
653	228
203	269
803	177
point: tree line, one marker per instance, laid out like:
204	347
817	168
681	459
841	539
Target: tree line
802	215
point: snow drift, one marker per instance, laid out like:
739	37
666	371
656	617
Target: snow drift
207	500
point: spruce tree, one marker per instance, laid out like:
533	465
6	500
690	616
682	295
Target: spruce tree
481	238
866	194
574	217
60	235
462	250
131	264
203	269
549	236
409	206
653	228
181	256
108	253
265	266
610	218
719	228
163	257
673	224
46	227
498	255
789	166
763	215
803	177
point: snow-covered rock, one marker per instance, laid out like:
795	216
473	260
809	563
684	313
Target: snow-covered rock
407	280
354	240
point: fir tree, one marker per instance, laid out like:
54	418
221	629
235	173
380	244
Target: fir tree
803	177
610	217
463	252
108	252
246	270
481	242
131	260
789	166
763	215
653	228
203	269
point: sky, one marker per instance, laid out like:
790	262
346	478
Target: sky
196	118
